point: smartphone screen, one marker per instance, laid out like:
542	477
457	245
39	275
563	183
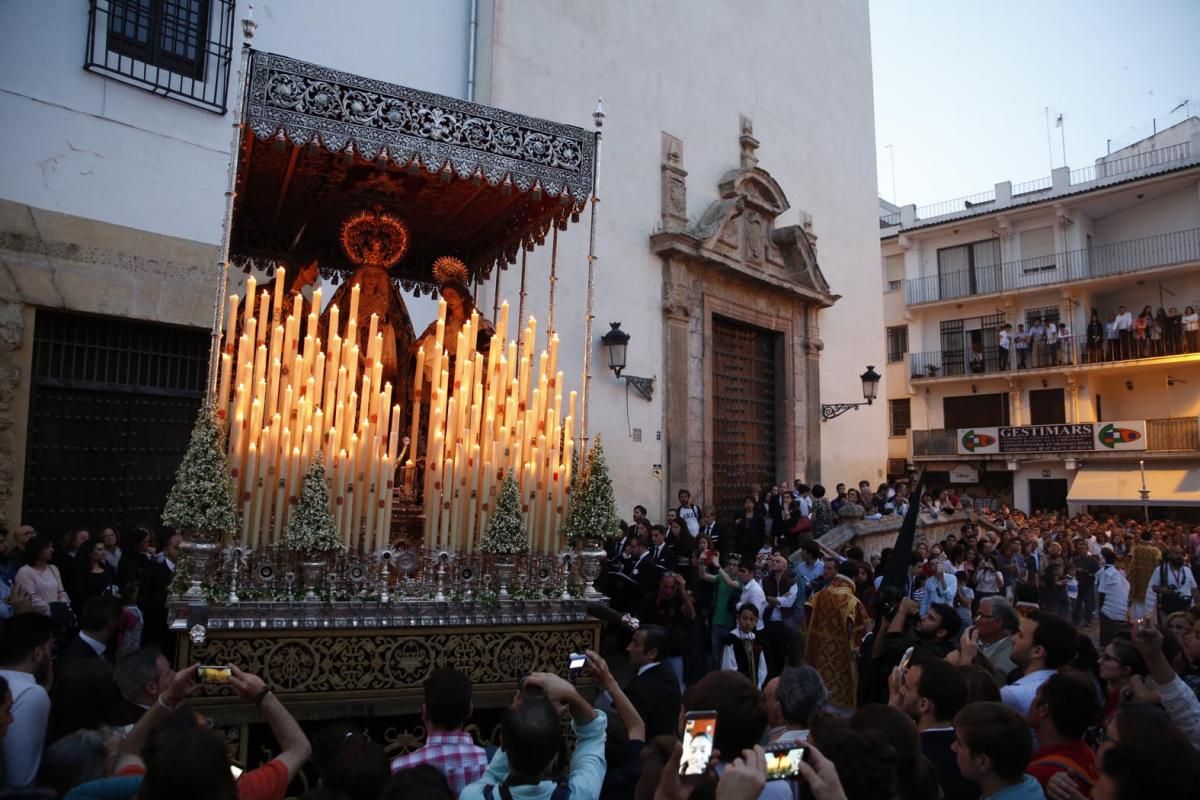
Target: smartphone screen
699	728
906	659
784	764
576	661
215	674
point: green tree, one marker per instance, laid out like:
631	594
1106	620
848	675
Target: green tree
592	510
203	497
310	527
506	533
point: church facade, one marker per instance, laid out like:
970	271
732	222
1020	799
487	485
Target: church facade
734	234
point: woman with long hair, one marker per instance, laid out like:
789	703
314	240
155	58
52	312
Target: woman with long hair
93	575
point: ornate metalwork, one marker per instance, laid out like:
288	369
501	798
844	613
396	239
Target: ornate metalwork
643	386
831	410
387	668
345	112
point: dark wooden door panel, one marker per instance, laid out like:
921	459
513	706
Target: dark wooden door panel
744	421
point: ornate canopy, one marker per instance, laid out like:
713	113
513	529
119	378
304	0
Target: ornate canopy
467	180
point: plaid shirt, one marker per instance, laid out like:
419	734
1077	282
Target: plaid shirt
453	752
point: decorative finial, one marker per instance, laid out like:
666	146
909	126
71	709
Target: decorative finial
248	23
749	144
598	114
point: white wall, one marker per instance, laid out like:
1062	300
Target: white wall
801	71
79	143
1176	211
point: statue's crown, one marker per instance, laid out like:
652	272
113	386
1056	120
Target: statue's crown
374	238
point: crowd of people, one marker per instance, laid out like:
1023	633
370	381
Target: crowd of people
1022	656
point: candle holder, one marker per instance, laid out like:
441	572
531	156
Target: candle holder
566	576
385	563
442	559
233	556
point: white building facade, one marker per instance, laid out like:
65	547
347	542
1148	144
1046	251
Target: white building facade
731	207
1078	417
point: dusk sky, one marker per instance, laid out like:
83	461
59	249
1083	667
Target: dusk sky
961	86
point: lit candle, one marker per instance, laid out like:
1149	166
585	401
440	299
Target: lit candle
277	308
247	496
250	284
222	403
231	319
264	315
1142	464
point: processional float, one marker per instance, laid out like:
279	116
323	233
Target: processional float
364	188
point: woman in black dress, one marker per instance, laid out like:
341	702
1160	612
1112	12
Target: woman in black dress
93	575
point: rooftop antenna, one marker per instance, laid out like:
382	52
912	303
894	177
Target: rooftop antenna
1058	123
1049	147
892	155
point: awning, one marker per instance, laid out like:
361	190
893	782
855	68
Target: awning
467	180
1120	485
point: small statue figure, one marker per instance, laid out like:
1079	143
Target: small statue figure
451	276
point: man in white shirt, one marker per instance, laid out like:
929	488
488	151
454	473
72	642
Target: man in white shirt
1112	597
25	645
1174	578
1044	643
1123	325
752	591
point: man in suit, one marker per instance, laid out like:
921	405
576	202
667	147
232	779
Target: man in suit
156	587
654	690
661	552
97	626
142	676
710	528
636	583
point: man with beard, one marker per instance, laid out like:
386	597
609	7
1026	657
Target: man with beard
932	635
1043	644
1174	584
25	652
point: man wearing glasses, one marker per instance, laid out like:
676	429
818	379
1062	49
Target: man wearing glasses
992	635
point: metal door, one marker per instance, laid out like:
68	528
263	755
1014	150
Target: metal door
744	413
112	405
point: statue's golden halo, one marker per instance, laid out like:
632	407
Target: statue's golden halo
448	269
374	238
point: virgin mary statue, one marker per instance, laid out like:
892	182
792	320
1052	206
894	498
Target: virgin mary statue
374	241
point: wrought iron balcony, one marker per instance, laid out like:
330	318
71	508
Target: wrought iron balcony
1164	435
1075	351
1118	258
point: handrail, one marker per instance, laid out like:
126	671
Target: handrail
1101	261
1103	170
1073	351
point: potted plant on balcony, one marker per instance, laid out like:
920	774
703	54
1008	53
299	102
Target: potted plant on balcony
201	504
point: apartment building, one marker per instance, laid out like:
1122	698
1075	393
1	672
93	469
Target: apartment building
993	382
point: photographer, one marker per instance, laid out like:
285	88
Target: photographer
529	738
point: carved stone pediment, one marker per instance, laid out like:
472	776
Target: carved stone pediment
738	232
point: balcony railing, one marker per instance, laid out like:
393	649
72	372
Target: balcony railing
1075	351
1170	434
1114	170
1118	258
1135	163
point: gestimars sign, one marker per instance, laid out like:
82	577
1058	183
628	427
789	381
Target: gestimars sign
1068	437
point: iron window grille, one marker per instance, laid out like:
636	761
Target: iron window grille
180	49
1046	314
901	414
897	343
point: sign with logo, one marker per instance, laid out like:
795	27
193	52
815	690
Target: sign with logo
964	473
1067	437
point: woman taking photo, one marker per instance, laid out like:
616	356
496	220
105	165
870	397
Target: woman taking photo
93	575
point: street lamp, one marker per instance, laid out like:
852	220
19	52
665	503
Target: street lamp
870	385
617	342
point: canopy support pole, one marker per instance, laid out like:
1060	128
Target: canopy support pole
598	119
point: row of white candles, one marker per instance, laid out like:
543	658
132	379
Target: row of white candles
289	396
492	414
